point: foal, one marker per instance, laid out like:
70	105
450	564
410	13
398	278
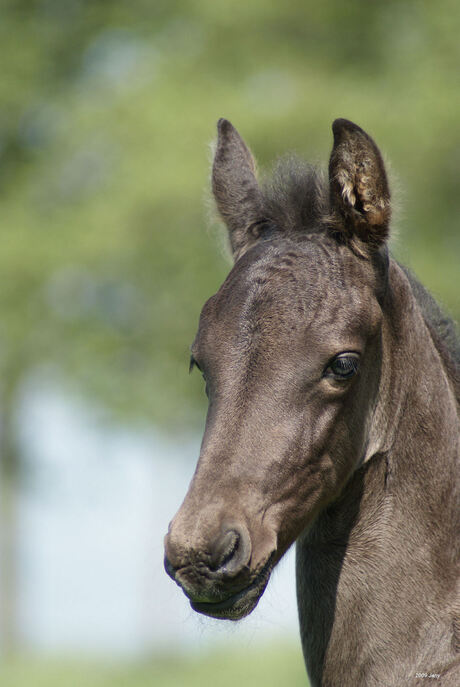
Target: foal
332	379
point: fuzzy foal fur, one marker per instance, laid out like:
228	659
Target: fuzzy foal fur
360	468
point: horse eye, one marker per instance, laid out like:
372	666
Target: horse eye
193	363
343	366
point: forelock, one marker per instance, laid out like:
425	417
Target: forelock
296	197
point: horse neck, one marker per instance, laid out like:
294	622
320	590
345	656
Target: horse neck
416	422
384	551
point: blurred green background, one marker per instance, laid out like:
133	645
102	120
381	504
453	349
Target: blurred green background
109	245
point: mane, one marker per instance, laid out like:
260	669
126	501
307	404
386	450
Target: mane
296	197
442	328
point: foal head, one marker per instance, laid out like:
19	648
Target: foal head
290	349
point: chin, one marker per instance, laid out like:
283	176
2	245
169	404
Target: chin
238	605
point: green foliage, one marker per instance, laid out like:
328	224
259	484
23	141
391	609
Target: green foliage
107	111
270	667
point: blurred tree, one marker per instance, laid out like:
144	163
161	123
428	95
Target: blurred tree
106	108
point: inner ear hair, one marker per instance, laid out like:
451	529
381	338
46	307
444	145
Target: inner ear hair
360	195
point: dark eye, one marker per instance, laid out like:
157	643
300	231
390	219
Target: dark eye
193	364
343	366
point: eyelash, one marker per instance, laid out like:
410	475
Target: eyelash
192	364
349	358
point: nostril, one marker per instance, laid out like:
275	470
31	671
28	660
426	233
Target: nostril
231	552
225	549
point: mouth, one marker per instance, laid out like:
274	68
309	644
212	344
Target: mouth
238	605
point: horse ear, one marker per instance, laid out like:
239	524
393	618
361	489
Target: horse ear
359	187
235	187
